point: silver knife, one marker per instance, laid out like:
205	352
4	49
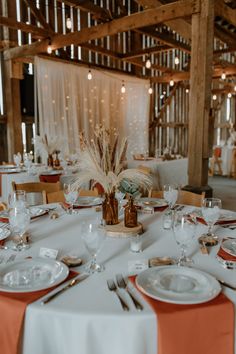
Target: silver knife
58	291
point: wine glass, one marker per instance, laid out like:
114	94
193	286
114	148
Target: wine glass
93	237
28	161
170	194
211	213
184	228
17	199
19	219
17	159
71	195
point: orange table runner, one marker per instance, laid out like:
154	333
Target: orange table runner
12	310
206	328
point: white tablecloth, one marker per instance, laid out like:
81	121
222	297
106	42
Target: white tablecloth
88	319
165	172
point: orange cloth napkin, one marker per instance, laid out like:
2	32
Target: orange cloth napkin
12	310
206	328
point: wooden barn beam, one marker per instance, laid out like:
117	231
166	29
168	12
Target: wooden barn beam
37	32
222	10
38	15
200	98
225	36
174	10
150	50
180	26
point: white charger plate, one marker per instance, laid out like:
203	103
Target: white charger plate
153	202
229	246
32	275
88	201
178	285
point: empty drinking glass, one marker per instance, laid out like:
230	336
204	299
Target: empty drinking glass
93	237
17	199
71	194
170	194
19	219
211	213
184	228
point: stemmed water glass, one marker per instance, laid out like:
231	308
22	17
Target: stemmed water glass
170	193
184	228
28	161
71	194
211	213
19	219
17	199
17	159
93	237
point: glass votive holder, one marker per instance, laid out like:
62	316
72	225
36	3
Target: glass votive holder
136	243
167	219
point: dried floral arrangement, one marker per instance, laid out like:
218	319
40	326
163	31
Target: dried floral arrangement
102	160
44	145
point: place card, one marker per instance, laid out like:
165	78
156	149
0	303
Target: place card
137	266
48	253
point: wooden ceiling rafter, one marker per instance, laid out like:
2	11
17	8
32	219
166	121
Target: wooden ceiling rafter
38	15
37	32
182	8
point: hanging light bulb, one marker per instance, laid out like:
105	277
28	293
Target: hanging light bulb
214	97
187	90
90	76
123	87
229	95
235	88
223	76
150	90
68	23
161	97
49	48
176	60
148	63
172	82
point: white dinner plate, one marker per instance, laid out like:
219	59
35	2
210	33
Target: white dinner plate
51	173
229	246
4	232
32	275
88	201
153	202
178	285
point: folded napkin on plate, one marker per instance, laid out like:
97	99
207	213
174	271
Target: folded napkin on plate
225	255
12	309
193	329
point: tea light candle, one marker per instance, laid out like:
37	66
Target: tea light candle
136	243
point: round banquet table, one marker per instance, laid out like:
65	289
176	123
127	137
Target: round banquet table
88	318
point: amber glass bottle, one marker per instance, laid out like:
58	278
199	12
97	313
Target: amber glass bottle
131	219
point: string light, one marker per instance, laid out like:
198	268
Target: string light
229	95
123	87
49	48
150	90
172	82
90	76
214	97
223	76
148	63
161	97
68	23
176	61
235	88
187	90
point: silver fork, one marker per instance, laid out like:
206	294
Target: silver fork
112	287
123	285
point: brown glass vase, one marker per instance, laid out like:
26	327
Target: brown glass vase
110	209
50	160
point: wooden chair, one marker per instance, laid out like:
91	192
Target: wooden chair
36	189
184	197
216	161
58	197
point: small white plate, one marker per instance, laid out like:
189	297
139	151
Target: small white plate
88	201
4	233
32	275
178	285
229	246
37	211
153	202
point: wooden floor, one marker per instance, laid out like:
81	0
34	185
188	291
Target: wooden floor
225	189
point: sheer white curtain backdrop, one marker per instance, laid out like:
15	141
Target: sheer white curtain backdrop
68	103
